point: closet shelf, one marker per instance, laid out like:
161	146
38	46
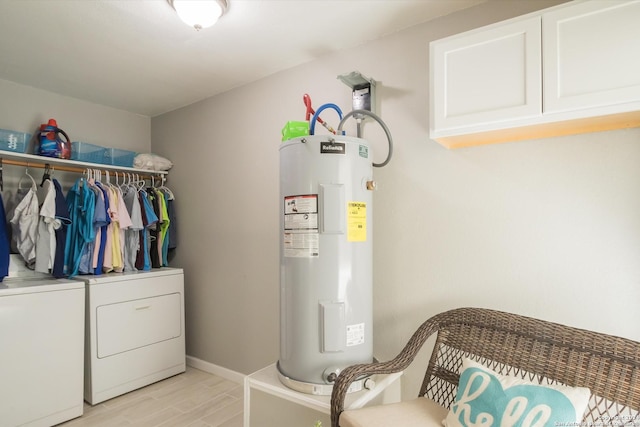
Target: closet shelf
31	160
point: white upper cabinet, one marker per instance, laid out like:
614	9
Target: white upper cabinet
569	69
488	76
591	55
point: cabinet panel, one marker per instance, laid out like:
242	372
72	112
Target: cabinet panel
133	324
487	76
591	55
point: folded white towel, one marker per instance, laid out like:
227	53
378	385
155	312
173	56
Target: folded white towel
151	162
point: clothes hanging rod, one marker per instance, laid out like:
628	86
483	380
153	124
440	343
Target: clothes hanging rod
53	167
41	162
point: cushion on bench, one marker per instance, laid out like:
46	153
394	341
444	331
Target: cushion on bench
422	412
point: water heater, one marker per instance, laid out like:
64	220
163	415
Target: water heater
326	184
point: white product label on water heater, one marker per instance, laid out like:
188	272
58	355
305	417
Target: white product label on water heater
301	245
355	334
301	226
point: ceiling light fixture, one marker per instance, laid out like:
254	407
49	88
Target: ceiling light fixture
199	14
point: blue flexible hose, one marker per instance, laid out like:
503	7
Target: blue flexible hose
312	125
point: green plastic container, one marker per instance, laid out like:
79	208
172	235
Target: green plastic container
294	129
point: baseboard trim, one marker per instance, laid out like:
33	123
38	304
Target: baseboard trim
211	368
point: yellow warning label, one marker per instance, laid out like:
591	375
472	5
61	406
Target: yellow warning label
356	222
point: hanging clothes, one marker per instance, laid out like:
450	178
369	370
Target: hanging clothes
173	230
112	231
170	243
155	230
101	236
62	214
24	225
164	228
99	219
81	203
11	202
132	234
4	243
94	228
124	224
47	226
150	228
143	245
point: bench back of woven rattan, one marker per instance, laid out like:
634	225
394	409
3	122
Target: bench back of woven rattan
540	351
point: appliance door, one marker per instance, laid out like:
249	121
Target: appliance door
41	361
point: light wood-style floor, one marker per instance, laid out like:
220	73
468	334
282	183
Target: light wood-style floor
194	398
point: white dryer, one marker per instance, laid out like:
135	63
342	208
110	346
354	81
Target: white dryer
134	331
41	348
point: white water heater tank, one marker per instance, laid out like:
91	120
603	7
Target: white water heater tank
325	259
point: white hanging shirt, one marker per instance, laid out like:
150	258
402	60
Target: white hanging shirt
47	226
25	226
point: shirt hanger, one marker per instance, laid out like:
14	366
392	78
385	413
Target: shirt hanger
27	174
166	189
46	175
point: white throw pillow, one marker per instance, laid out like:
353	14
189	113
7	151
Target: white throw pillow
486	398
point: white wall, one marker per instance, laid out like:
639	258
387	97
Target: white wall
24	108
547	228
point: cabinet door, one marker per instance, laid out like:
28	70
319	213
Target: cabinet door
129	325
486	77
591	55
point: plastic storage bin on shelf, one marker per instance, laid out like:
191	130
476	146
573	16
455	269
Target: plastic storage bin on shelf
11	140
85	152
119	157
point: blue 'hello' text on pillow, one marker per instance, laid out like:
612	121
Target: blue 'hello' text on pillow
488	399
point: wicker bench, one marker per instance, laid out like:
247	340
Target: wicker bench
509	344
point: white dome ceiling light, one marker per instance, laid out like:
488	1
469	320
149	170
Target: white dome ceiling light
199	14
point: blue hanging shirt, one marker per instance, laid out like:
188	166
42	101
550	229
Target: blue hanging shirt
4	243
81	201
86	260
152	219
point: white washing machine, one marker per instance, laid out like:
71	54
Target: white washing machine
41	348
134	331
